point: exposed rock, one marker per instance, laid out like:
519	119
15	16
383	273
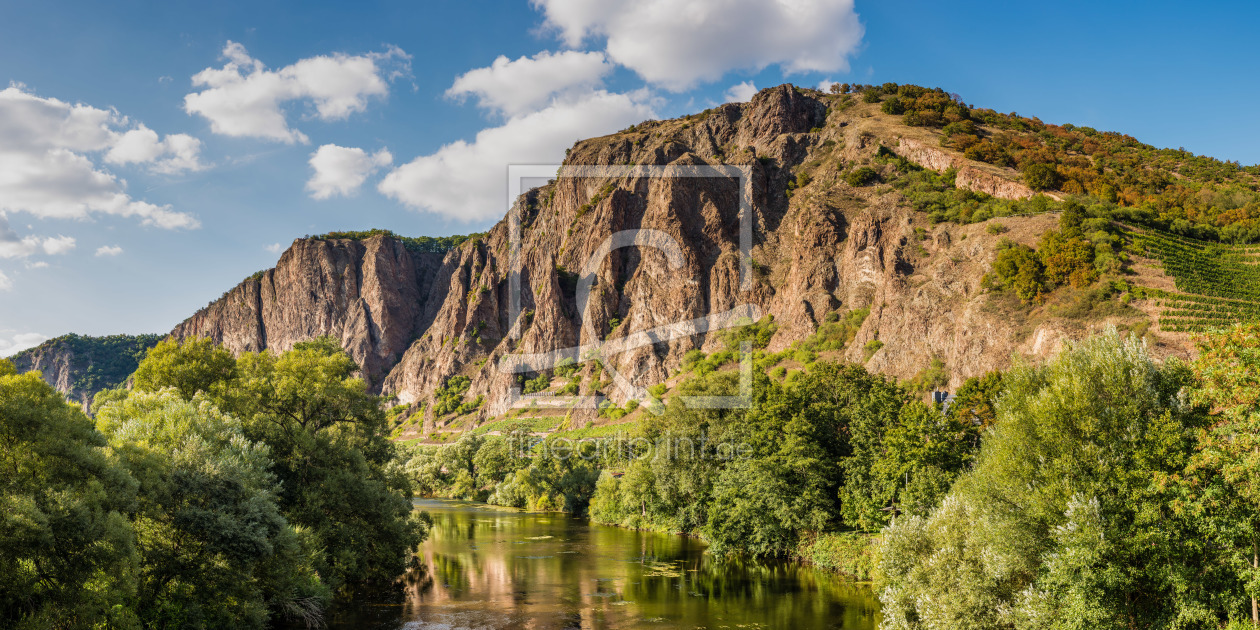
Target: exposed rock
414	320
80	366
971	175
372	295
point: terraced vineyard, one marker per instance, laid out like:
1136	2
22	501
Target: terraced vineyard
1218	285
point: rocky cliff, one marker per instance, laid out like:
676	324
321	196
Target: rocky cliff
376	296
819	245
80	366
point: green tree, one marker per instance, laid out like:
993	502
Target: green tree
214	548
1064	521
191	366
1019	268
1223	478
1042	176
67	553
339	477
974	402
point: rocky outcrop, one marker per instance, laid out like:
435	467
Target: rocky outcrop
413	320
372	295
972	178
971	175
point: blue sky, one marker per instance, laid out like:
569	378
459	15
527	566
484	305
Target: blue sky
153	154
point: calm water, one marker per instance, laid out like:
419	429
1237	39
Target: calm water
485	567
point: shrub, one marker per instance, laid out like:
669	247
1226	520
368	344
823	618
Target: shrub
1042	176
862	177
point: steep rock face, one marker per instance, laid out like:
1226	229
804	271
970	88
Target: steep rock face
818	245
372	295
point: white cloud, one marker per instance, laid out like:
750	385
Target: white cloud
825	85
517	87
5	285
274	248
342	170
741	92
46	168
174	154
58	245
109	250
678	43
11	344
245	99
465	180
14	246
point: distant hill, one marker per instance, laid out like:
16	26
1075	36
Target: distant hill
80	366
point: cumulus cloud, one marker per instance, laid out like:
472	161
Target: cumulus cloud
245	99
10	343
678	43
741	92
14	246
108	250
47	148
5	285
58	245
176	153
342	170
512	88
466	180
274	248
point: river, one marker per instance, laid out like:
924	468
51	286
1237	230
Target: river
485	567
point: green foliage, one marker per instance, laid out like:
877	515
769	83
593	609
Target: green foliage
417	244
1041	176
934	377
67	553
214	549
195	365
327	436
832	334
974	402
1063	517
97	363
870	349
849	553
758	334
449	398
537	384
1019	268
863	176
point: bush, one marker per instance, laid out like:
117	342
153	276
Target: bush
1042	176
862	177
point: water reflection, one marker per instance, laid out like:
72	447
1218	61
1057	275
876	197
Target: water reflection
488	567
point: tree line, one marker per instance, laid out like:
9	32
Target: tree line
1101	489
217	492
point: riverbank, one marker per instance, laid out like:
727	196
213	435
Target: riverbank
852	554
